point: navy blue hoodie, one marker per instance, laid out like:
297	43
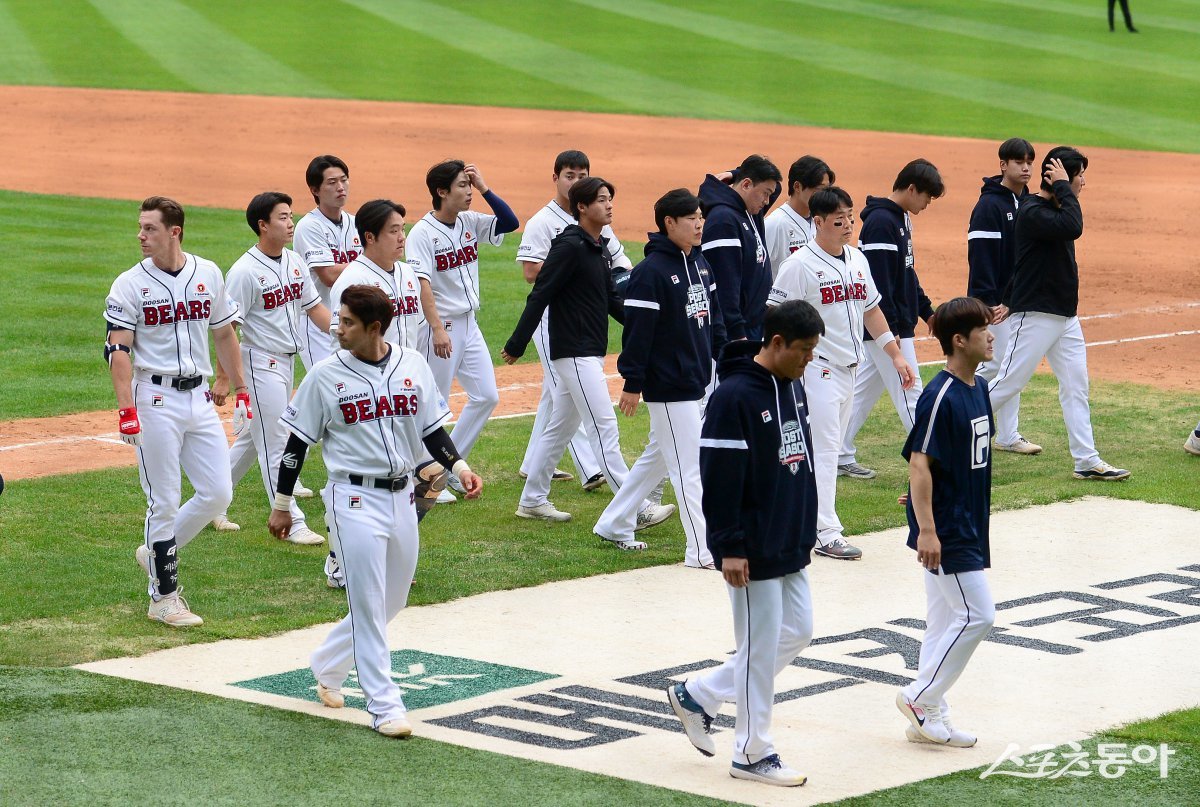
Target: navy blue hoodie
735	246
760	496
886	240
991	241
672	324
1046	276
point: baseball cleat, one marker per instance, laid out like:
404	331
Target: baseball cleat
333	698
333	573
958	739
855	471
593	482
222	524
142	555
559	475
653	515
1104	472
173	610
1192	444
926	718
627	544
304	536
446	497
543	512
1019	446
301	492
838	548
770	771
399	727
697	725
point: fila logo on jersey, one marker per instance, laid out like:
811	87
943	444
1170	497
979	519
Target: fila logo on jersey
182	311
766	416
1010	216
339	387
284	294
675	279
364	409
145	294
459	257
840	293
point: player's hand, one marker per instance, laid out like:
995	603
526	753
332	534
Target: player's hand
724	176
736	571
476	178
471	483
280	523
1056	172
929	550
908	376
241	412
507	358
130	426
628	403
999	314
220	389
442	346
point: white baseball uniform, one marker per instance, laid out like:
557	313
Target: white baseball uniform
540	230
842	290
787	231
170	316
321	242
272	296
372	419
448	257
400	285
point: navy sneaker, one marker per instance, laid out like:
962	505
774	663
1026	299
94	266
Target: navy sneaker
770	771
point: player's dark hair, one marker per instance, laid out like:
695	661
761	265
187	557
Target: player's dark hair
676	204
585	191
314	175
372	217
958	317
261	207
1016	148
172	211
1072	160
571	159
924	175
757	168
795	319
369	304
810	172
828	200
441	177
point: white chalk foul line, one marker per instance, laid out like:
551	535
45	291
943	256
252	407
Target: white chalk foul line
1103	343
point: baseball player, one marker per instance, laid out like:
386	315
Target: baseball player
835	279
949	504
1043	301
443	248
672	332
734	204
760	504
886	241
273	294
1192	444
376	408
790	226
540	230
327	241
991	256
159	314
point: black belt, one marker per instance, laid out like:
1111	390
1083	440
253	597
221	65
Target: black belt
395	483
830	361
183	384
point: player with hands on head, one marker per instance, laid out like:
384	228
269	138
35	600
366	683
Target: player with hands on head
159	315
949	508
760	500
376	409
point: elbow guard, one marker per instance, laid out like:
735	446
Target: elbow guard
110	349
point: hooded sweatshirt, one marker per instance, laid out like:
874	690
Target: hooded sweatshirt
673	324
886	240
1046	276
735	246
991	241
760	496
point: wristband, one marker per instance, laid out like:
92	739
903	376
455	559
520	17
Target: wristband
459	467
283	502
885	340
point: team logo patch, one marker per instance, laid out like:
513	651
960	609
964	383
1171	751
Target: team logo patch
791	451
1009	216
825	373
145	293
339	387
291	411
675	279
408	382
467	235
157	400
820	275
356	502
262	280
356	240
860	274
766	415
200	288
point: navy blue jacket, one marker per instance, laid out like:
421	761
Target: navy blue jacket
1046	276
672	324
735	246
991	241
886	240
760	496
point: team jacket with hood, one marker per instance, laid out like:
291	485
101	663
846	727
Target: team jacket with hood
673	325
886	240
1046	276
576	283
735	246
991	241
760	496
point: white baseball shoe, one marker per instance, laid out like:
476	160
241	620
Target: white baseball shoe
627	544
333	698
304	536
1104	472
926	718
697	725
446	497
222	524
958	739
1019	446
301	492
398	727
653	515
855	471
542	512
173	610
333	573
1192	444
770	771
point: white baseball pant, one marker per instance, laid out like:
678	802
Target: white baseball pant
315	344
375	532
960	613
830	390
1060	341
269	379
674	449
179	429
1006	416
579	448
581	397
772	624
471	364
874	376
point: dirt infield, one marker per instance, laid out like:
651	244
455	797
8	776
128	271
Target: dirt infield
1140	281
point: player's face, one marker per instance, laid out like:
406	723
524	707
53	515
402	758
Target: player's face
978	348
792	358
154	236
686	229
351	334
458	198
804	194
918	201
599	212
757	195
840	224
566	178
279	226
1016	172
392	236
1078	182
334	188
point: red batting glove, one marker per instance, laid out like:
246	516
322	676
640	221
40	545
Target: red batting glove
131	427
241	412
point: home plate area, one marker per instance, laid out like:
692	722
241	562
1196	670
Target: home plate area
574	673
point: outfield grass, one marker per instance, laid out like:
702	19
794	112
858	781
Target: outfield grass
1047	68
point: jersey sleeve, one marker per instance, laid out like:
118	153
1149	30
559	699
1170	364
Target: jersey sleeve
724	455
790	284
882	250
985	253
722	248
335	298
874	296
307	415
418	251
224	310
616	250
777	240
642	309
931	431
535	241
121	309
310	297
241	287
484	227
311	245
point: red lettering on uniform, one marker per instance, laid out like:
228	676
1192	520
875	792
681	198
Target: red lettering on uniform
150	315
268	300
351	255
207	309
383	409
164	314
401	404
826	295
442	263
411	304
349	413
472	253
364	410
455	258
195	309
